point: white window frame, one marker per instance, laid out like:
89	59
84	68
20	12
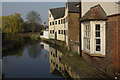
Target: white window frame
97	38
87	33
102	37
93	38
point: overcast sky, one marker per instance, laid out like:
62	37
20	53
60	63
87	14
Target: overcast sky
24	7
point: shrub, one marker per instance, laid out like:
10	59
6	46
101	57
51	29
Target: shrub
38	38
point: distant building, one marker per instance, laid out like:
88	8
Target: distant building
101	35
44	34
64	24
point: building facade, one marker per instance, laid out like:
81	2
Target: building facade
64	23
100	27
45	34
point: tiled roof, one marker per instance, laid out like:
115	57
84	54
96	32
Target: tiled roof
95	13
58	12
72	7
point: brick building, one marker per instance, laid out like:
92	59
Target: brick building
100	38
64	24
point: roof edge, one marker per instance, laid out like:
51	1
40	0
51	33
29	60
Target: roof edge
56	8
118	14
94	20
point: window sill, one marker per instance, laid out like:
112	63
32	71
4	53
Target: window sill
97	55
94	54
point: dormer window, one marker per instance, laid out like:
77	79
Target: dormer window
77	5
49	15
94	31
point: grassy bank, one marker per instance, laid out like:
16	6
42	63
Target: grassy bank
61	46
16	41
8	45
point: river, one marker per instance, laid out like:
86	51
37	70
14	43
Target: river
34	60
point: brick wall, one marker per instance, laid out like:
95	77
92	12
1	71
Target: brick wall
114	23
73	27
111	62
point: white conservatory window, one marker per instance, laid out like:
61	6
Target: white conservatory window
87	37
97	37
94	38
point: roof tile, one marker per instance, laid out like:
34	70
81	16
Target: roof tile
95	13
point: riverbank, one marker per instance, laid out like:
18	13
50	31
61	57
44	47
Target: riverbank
78	68
15	41
35	36
61	46
10	44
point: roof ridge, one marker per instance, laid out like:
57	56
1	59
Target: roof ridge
95	6
56	8
58	12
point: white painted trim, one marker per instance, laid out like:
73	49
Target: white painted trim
92	37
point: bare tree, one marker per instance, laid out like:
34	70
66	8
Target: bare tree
33	18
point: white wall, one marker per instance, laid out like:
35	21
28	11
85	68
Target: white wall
57	27
60	27
51	27
46	34
66	24
63	26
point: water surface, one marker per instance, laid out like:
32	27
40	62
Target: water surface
30	61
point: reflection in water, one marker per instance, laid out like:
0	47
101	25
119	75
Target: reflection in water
35	61
17	52
56	66
55	60
34	50
0	69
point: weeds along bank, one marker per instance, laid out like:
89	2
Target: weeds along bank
15	41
